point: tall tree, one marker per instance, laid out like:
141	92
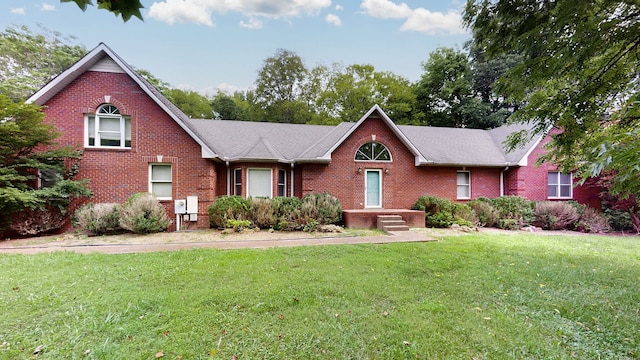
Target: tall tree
580	73
446	93
191	103
27	151
279	88
28	61
352	91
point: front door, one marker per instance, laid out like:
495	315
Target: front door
373	189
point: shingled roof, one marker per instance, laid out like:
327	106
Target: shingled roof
228	140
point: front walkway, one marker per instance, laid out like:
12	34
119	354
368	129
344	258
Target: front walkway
134	247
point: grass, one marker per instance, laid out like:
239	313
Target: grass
468	297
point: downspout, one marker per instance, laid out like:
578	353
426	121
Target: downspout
228	178
292	180
502	180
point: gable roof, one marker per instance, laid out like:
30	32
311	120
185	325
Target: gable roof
229	140
98	55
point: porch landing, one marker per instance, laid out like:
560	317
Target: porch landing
368	218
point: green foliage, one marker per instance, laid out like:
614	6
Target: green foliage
514	211
191	103
238	225
555	215
287	213
322	207
579	74
487	215
98	219
142	213
448	96
124	8
442	213
28	61
262	213
27	145
225	208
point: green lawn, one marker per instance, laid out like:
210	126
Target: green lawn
467	297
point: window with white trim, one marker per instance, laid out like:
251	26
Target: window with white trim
464	185
373	151
259	183
160	181
48	177
237	182
559	185
282	182
108	128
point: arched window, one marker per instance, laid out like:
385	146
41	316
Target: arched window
373	151
108	128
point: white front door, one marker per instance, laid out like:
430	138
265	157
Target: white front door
373	188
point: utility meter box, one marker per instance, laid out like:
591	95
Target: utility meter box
192	208
180	206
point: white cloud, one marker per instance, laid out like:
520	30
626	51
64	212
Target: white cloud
47	7
386	9
199	11
19	11
184	11
339	8
252	24
418	19
333	19
428	22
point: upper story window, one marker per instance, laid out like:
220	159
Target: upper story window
373	151
107	128
559	185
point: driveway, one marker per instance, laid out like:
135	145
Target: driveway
186	240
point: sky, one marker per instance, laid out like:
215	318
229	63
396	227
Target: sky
220	45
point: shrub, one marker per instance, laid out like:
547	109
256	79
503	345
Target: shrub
36	221
555	215
98	219
592	221
487	215
513	208
227	207
322	207
619	220
287	213
143	214
442	213
238	225
262	213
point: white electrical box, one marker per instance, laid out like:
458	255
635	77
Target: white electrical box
192	208
180	206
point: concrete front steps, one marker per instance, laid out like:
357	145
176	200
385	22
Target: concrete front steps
389	223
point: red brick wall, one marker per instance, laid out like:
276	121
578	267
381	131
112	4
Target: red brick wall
117	174
531	181
402	184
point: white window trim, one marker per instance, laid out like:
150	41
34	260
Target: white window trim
151	181
284	184
96	135
467	185
249	170
371	160
235	181
366	187
558	185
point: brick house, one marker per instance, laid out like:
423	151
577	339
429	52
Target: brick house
135	140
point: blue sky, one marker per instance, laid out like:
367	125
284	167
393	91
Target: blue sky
205	45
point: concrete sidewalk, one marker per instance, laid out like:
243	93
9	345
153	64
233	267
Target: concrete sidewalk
124	248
